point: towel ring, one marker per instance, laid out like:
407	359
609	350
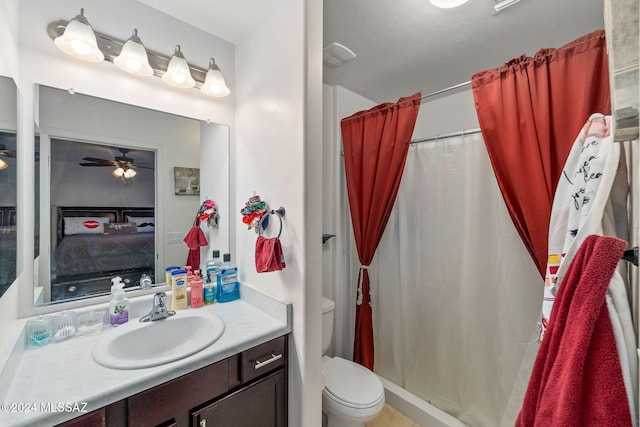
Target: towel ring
279	213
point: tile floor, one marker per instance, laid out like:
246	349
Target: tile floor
391	417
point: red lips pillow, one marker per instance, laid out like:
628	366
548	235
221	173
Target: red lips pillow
84	225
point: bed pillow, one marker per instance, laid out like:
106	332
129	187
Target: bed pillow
120	228
84	225
145	224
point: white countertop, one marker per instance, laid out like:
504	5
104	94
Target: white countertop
65	375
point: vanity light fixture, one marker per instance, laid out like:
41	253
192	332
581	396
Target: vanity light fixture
178	74
130	55
214	84
133	57
79	40
447	4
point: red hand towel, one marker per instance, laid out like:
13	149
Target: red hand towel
269	256
194	239
576	378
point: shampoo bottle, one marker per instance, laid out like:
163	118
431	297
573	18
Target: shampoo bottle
179	290
119	305
196	290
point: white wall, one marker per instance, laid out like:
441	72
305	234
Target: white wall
441	116
277	154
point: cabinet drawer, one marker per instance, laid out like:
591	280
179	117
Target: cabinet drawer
163	402
262	359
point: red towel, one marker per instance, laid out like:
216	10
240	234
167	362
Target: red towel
576	378
269	256
194	239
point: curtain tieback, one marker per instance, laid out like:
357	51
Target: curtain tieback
360	279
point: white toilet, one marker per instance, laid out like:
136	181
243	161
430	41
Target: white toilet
352	394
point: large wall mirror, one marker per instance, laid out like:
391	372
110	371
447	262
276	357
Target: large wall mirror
8	193
107	198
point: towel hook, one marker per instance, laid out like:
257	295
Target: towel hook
279	213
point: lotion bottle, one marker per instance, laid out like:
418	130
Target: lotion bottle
196	290
179	290
119	305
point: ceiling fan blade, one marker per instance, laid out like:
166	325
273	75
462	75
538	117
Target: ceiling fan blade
8	153
142	167
102	162
93	164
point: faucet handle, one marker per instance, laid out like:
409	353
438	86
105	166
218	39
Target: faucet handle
160	300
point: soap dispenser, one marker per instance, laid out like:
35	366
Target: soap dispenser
119	305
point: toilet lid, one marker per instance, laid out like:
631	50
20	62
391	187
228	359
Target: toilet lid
351	383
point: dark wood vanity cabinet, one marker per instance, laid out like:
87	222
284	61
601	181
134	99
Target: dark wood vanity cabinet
247	389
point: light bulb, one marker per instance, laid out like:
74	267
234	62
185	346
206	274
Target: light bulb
178	74
133	57
79	40
118	172
130	173
3	164
214	84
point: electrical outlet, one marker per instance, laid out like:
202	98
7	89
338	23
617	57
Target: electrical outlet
174	237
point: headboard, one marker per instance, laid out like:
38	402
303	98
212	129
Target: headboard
115	214
7	216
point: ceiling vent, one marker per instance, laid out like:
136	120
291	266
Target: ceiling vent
336	54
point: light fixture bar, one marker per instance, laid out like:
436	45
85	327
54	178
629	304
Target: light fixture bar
111	47
499	7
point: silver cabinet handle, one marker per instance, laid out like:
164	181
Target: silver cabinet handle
273	358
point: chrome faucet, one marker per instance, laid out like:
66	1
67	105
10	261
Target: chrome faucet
159	310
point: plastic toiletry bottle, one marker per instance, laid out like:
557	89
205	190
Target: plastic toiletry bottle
189	274
168	271
196	291
213	266
209	292
228	288
119	305
179	290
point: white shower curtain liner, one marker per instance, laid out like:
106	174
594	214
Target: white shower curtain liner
456	292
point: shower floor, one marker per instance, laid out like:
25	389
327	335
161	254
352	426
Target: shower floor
391	417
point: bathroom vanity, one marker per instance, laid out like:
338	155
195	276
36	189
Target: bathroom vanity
248	389
239	380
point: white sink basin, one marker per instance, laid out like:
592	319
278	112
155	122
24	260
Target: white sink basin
137	344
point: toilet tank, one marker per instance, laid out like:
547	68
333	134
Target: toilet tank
328	307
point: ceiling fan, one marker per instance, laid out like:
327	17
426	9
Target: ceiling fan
124	166
5	153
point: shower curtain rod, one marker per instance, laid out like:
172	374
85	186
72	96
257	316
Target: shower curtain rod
445	136
458	86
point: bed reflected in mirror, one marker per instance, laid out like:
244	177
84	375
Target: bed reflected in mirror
102	217
7	183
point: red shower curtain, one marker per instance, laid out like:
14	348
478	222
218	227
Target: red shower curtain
376	143
530	111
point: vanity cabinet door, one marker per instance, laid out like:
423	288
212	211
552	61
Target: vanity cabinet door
165	403
260	404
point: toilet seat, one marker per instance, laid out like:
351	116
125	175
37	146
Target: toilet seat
350	384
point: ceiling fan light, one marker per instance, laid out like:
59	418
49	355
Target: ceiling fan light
3	164
447	4
178	74
130	173
79	40
133	58
214	84
118	172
